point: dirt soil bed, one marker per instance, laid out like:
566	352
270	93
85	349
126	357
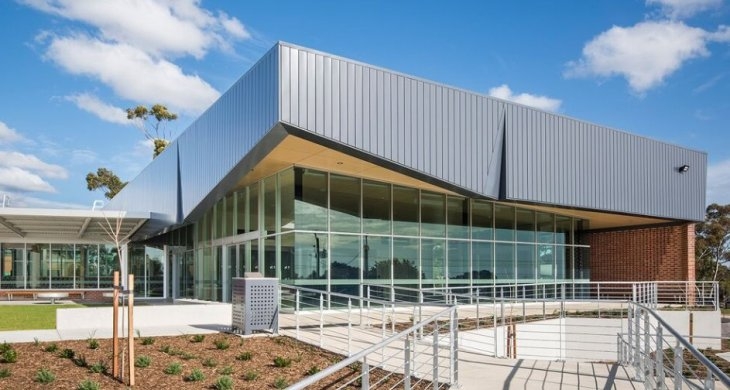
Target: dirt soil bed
258	372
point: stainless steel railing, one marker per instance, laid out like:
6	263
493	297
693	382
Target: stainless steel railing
382	341
661	357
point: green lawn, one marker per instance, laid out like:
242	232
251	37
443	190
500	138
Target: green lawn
29	317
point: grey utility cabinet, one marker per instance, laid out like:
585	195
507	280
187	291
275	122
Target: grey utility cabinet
255	303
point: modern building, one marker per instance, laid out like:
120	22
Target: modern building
331	173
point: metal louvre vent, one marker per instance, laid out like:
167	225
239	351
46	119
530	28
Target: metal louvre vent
255	304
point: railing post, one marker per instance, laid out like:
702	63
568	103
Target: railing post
678	358
454	355
659	358
296	311
349	326
629	331
709	382
494	326
321	320
478	299
436	358
647	366
392	318
407	364
637	343
382	333
368	295
420	313
365	377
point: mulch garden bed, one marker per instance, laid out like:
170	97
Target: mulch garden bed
250	363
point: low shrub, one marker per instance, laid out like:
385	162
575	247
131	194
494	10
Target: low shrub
224	382
143	361
9	356
52	347
227	370
4	372
92	343
313	370
280	383
44	376
250	376
281	362
67	353
198	338
148	341
195	376
222	344
209	362
173	369
5	347
244	356
88	384
99	367
186	355
80	361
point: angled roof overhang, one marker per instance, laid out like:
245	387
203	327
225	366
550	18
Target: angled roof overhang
59	225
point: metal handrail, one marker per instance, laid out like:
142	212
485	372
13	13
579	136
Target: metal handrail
719	374
356	357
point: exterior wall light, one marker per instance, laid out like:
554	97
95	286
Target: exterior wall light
684	168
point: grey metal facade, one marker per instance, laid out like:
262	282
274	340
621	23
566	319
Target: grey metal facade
477	144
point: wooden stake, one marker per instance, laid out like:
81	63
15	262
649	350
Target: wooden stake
115	326
130	332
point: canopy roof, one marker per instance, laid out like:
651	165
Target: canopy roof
21	224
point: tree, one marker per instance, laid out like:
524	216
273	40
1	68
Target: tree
106	180
152	124
151	121
712	245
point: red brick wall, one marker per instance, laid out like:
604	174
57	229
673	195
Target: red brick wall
650	253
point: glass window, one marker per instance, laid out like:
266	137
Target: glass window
310	194
504	221
12	269
525	225
270	257
433	264
286	183
89	260
457	217
545	227
504	265
345	257
62	266
241	212
546	262
581	225
482	220
376	259
108	263
375	207
229	225
433	214
344	204
253	208
270	217
582	263
154	279
526	263
405	260
310	257
561	261
482	261
218	219
563	230
458	261
405	211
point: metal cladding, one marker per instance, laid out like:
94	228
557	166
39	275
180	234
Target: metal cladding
467	142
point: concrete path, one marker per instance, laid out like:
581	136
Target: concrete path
26	336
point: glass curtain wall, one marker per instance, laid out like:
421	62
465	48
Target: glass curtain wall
336	232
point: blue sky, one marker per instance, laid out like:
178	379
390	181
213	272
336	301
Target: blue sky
657	68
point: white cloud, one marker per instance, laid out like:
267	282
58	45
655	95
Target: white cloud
8	135
132	73
18	179
679	9
645	54
29	162
158	27
537	101
104	111
83	157
718	182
